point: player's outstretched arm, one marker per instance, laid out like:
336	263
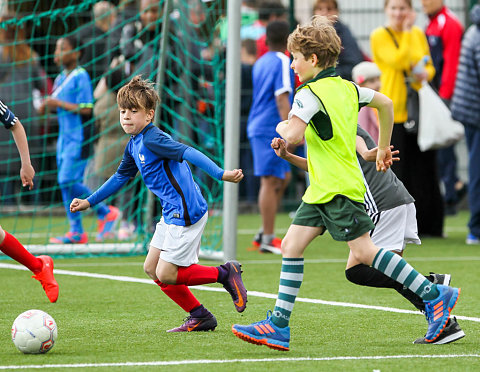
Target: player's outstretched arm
78	205
26	172
280	147
384	106
234	176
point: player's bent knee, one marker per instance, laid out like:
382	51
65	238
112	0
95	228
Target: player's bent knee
166	278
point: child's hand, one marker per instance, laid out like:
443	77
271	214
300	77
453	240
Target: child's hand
384	159
371	155
26	174
280	147
78	205
235	175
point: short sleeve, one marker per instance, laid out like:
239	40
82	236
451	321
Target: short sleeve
6	116
365	95
84	98
305	105
283	81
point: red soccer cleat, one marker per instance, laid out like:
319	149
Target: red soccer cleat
46	278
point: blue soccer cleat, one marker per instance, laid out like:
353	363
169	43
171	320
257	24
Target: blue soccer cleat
438	311
264	333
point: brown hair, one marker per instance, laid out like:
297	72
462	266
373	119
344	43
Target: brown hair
318	37
409	3
332	3
138	93
15	47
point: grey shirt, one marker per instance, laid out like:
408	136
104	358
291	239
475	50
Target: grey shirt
384	190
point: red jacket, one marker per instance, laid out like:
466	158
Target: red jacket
444	34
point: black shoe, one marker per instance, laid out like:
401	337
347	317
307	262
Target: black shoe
451	333
443	279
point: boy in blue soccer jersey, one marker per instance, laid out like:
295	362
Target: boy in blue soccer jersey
273	84
173	255
325	113
41	266
72	99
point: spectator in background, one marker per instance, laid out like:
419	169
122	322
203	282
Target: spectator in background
21	81
367	74
444	34
397	48
248	56
268	11
351	54
98	46
72	100
466	109
273	85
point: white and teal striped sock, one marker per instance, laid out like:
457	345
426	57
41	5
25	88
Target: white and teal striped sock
395	267
291	279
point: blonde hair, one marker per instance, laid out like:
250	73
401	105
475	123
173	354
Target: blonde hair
317	37
138	93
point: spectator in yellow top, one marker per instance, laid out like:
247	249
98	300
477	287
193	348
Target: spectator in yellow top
397	48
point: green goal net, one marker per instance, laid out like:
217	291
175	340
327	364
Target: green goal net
116	41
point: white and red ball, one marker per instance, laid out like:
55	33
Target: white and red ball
34	332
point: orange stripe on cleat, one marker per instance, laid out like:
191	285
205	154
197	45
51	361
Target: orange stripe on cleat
437	305
269	327
259	329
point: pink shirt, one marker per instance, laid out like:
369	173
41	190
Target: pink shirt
368	120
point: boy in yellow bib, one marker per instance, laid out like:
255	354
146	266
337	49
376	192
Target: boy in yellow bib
325	112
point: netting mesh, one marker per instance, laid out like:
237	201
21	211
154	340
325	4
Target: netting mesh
117	42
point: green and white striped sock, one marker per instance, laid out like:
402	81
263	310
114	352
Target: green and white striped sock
291	278
395	267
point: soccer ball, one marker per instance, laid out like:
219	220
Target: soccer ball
34	332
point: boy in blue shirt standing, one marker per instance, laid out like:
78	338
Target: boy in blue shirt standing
72	99
273	84
173	255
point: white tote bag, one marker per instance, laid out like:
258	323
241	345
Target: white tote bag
436	127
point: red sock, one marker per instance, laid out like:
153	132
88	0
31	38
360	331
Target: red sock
12	248
180	294
197	274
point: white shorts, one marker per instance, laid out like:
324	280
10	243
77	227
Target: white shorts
395	227
179	245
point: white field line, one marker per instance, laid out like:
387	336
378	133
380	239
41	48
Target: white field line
250	293
220	361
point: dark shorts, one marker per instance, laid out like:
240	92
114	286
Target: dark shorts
344	219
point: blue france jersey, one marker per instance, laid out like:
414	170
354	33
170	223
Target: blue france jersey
74	87
271	76
159	159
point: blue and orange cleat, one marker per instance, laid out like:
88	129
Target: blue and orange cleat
234	285
46	278
438	311
107	224
70	238
264	333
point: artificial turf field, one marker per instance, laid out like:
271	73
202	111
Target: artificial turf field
112	323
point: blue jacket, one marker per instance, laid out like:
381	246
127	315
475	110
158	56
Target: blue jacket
466	97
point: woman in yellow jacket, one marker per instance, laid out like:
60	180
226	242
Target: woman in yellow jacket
397	48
